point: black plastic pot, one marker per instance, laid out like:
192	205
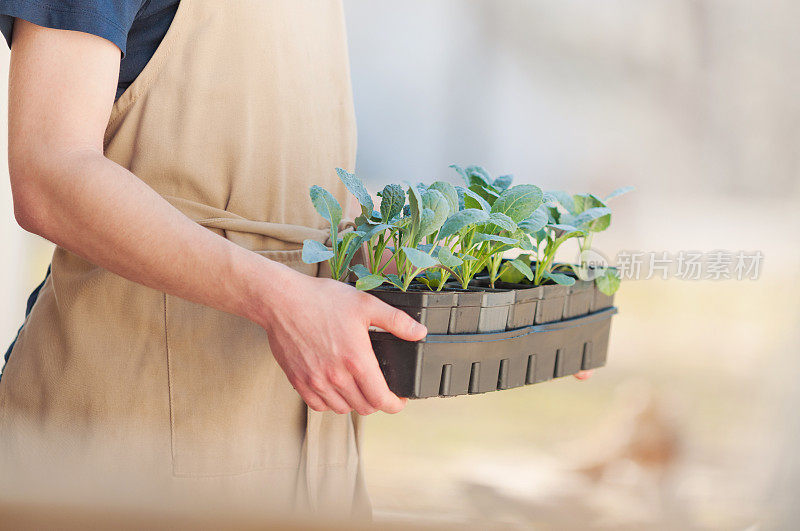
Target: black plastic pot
551	306
431	308
449	365
526	297
465	315
495	305
579	299
600	300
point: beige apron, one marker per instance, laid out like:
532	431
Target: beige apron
244	106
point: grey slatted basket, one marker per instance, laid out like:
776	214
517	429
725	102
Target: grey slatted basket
450	365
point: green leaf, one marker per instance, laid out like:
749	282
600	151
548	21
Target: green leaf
436	208
502	221
519	202
609	282
369	282
394	280
473	200
415	204
360	270
565	232
477	175
503	182
419	259
536	222
525	243
564	199
595	219
586	201
363	221
357	188
487	193
327	205
392	200
351	243
370	231
549	199
458	221
522	267
563	227
620	191
461	171
560	278
579	201
481	237
513	275
553	215
314	252
449	192
428	280
448	259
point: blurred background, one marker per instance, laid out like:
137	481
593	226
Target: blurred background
694	102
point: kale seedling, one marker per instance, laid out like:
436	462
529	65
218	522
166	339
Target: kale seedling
344	247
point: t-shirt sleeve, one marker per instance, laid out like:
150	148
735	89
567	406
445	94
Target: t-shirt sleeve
109	19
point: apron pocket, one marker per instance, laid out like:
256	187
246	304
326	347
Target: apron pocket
232	410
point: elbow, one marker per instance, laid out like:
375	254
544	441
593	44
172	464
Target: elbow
30	208
25	217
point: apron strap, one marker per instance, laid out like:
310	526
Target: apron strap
217	218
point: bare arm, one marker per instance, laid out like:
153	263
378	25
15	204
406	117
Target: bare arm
61	91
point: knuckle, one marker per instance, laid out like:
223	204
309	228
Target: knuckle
316	382
383	403
363	298
366	410
341	410
354	365
337	379
316	405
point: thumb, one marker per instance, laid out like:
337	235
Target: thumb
396	322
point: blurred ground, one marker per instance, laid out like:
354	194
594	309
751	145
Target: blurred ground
687	396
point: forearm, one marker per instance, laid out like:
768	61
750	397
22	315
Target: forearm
98	210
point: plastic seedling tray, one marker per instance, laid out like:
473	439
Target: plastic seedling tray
495	305
450	365
551	306
579	300
523	312
431	308
465	315
600	300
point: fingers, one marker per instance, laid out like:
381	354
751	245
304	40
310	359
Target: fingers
369	378
352	393
396	322
313	400
584	375
340	392
328	394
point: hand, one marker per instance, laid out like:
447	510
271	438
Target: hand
319	334
584	375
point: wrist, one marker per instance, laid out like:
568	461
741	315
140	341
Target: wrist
263	285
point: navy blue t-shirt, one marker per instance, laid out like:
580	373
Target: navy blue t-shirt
135	26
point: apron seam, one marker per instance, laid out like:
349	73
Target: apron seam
169	390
